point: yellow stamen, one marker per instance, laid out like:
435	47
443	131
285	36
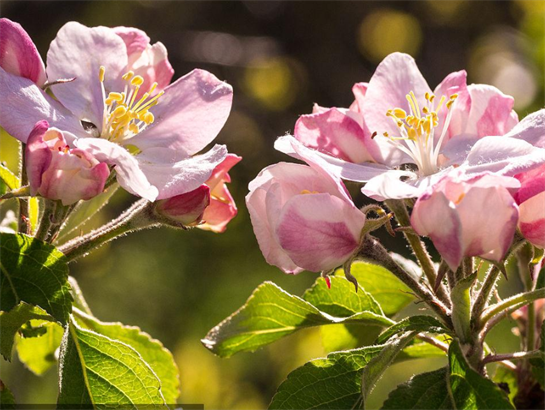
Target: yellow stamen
127	76
137	81
101	73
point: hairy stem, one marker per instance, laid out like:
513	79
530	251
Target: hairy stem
133	219
485	292
402	215
511	304
372	250
47	220
512	356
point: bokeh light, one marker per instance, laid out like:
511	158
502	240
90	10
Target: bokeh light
387	30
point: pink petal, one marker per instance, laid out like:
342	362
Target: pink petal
359	90
489	218
331	165
79	52
394	78
135	40
220	174
433	216
502	155
454	83
256	202
319	231
389	185
532	220
18	54
189	115
532	183
37	156
175	178
531	129
491	111
334	133
23	104
149	61
128	169
187	208
219	214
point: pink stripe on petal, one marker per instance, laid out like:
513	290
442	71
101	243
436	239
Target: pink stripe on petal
18	54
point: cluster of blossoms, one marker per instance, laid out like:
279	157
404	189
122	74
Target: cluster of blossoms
104	109
475	171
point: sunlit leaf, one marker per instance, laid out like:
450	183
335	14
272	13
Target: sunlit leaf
333	382
152	351
376	367
96	371
419	323
509	378
270	314
33	272
424	391
538	364
11	322
38	353
33	213
469	389
391	294
12	182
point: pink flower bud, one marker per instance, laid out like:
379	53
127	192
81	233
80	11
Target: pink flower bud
185	209
468	216
18	54
531	200
56	171
222	206
303	218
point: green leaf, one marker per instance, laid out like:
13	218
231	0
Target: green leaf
423	391
461	307
341	300
11	322
333	382
85	210
152	351
100	372
38	353
469	390
270	314
390	293
36	273
376	367
420	323
9	178
507	377
538	364
7	401
345	337
419	350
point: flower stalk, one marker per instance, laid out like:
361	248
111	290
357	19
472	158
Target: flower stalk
136	218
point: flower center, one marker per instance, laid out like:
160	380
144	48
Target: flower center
417	130
125	116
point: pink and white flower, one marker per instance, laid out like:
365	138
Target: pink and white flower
531	200
222	206
399	136
186	209
113	101
56	171
468	216
303	218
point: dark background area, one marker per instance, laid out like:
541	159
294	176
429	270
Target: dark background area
280	57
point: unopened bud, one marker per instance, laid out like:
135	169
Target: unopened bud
185	210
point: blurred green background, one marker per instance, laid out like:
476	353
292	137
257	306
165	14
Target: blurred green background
280	57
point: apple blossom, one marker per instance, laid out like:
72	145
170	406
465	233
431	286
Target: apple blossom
186	209
531	200
222	206
56	171
303	218
399	136
208	207
106	103
468	216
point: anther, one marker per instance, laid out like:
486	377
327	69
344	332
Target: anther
127	76
137	81
101	73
